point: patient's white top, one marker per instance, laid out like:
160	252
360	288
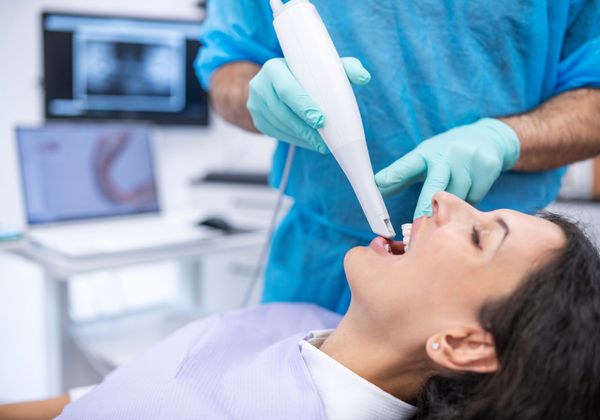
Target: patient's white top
242	364
345	394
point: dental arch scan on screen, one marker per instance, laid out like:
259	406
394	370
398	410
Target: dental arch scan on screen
108	67
84	171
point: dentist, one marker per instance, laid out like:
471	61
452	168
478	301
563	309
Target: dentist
482	99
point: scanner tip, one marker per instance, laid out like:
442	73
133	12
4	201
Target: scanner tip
391	233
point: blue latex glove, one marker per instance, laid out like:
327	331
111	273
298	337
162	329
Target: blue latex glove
465	161
282	109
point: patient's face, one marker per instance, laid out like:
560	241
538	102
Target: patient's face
459	258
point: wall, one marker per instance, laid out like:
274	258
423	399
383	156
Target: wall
182	152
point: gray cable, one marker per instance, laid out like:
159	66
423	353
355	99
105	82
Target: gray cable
272	225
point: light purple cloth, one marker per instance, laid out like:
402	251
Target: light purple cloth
241	365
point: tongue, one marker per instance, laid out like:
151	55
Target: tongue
397	247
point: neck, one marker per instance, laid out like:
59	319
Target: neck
401	372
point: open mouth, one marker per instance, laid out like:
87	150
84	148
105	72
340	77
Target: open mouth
386	247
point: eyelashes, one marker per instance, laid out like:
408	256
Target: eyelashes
476	238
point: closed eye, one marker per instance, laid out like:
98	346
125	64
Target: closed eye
476	238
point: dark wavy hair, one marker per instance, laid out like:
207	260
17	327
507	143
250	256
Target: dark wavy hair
547	337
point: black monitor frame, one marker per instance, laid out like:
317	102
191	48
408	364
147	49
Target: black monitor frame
200	96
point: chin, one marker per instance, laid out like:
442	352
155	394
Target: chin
353	255
356	262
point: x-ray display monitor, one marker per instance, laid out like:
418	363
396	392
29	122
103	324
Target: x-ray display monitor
122	68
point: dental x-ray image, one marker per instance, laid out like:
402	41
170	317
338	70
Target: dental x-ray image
119	68
129	72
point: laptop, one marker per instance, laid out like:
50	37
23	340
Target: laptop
91	189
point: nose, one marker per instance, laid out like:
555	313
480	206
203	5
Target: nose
446	207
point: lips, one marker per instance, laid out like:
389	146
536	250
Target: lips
386	247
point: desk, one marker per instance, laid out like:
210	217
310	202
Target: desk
58	269
11	245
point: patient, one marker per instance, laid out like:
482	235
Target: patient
487	316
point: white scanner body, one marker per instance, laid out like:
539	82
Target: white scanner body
316	64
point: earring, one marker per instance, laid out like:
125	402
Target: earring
435	346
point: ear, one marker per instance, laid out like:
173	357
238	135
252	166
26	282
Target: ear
464	350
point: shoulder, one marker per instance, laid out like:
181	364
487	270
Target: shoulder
207	366
286	318
265	323
257	326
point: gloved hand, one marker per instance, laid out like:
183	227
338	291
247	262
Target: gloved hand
281	108
464	161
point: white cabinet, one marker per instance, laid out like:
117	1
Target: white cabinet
225	280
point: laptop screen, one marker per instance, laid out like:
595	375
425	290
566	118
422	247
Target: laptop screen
76	172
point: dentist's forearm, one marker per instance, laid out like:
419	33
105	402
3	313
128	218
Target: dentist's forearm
229	93
562	130
39	410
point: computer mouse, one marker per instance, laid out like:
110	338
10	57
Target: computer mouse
217	223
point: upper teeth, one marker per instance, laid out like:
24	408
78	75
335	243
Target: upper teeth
388	248
406	228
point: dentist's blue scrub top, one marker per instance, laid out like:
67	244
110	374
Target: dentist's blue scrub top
436	64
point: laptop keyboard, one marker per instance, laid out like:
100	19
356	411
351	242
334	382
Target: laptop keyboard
115	237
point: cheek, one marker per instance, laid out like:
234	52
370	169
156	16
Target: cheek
440	254
462	289
505	277
454	245
450	271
